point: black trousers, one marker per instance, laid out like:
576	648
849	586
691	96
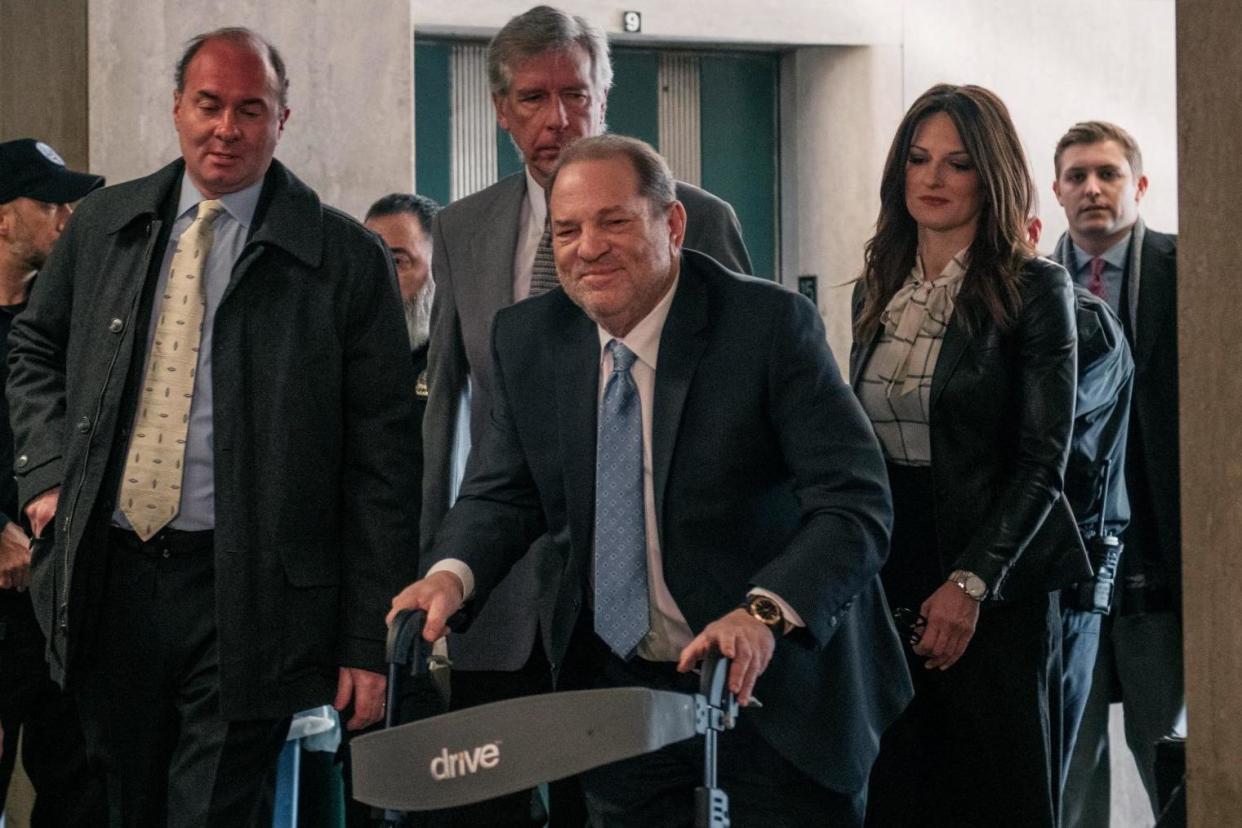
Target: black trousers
419	700
657	790
33	707
149	695
524	809
979	746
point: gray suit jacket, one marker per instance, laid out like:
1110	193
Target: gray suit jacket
474	241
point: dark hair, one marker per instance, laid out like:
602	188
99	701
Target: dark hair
244	36
396	204
1093	132
1001	245
655	181
545	29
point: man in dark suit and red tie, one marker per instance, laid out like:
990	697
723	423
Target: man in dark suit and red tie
1111	252
682	439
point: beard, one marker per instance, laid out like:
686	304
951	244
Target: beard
29	254
418	314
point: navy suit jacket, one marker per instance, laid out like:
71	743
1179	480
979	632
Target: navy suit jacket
474	240
766	473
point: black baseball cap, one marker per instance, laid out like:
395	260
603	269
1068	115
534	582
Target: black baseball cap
32	169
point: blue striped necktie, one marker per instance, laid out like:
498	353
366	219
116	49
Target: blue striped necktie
622	602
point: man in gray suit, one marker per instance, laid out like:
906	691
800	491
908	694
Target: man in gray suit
550	73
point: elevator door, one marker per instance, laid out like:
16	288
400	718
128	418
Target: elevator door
712	114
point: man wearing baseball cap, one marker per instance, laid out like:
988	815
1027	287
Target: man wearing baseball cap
36	194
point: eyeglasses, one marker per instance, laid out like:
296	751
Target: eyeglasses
909	623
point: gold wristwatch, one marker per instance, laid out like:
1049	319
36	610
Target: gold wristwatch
766	611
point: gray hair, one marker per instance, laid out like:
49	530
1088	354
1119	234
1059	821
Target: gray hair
655	180
545	29
240	35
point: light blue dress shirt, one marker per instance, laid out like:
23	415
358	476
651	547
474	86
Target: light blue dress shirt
1114	270
232	227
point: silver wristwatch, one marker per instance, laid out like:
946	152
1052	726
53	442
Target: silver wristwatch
970	583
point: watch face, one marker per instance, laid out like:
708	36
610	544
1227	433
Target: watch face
974	587
765	609
970	583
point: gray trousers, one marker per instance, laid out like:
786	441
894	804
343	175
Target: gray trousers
1140	661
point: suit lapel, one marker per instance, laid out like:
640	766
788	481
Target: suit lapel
956	341
682	343
1134	267
494	244
1156	300
577	392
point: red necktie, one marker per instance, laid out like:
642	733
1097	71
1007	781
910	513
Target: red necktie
1096	283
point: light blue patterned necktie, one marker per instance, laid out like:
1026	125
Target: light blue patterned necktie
622	614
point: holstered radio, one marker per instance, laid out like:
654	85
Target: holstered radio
1096	595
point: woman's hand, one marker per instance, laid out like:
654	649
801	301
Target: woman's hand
951	617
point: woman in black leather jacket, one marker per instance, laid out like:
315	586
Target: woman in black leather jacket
964	358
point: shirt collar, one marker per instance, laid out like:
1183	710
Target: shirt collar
1114	256
953	271
239	205
537	199
644	339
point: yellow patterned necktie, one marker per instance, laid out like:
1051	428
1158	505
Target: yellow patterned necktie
151	485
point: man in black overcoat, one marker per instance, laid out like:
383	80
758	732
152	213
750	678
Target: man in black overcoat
213	412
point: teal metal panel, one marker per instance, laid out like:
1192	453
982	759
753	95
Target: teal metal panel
508	160
432	101
634	103
738	101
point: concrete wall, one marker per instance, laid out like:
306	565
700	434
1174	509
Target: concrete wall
778	22
1054	63
351	71
43	51
1210	116
839	109
351	133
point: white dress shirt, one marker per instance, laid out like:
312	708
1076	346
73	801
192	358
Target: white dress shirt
669	632
532	216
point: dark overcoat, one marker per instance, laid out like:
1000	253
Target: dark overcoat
312	424
1153	465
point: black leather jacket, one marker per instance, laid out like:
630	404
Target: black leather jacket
1002	414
